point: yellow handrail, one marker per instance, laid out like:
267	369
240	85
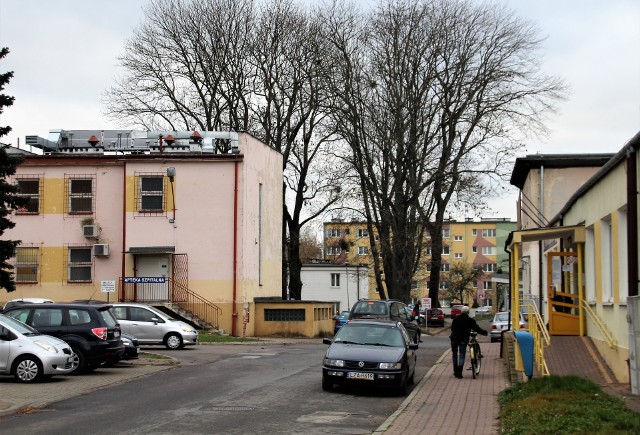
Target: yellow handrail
541	338
600	324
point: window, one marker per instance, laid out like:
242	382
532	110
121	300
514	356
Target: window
445	267
446	233
606	256
458	255
80	266
284	315
29	186
444	285
490	267
428	249
474	249
487	232
623	282
27	265
486	285
80	195
363	232
445	250
332	250
457	238
475	283
489	250
333	232
474	232
363	250
335	280
150	193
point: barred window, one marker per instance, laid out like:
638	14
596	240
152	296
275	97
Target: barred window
30	187
79	264
27	264
151	193
80	194
284	315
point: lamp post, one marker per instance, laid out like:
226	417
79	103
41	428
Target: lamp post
171	173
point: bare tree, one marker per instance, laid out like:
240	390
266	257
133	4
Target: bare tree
461	278
431	97
229	65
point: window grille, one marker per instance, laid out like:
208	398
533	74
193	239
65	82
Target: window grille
79	194
30	187
150	193
79	264
284	315
27	265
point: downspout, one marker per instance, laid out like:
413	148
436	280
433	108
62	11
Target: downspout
124	226
234	316
541	289
632	221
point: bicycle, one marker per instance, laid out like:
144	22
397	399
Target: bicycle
475	354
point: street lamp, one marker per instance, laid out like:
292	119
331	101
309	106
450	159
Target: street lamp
171	173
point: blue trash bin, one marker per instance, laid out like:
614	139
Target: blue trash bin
525	343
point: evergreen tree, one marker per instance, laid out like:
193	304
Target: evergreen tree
9	200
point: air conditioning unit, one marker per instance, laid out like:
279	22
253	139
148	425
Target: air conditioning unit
100	250
91	231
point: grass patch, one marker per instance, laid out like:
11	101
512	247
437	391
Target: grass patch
153	355
210	337
564	405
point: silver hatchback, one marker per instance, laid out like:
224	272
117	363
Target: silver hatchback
151	326
29	355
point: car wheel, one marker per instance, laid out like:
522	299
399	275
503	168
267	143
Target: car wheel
326	385
79	361
27	369
173	341
412	378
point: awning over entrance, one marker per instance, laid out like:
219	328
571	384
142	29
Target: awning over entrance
573	234
152	250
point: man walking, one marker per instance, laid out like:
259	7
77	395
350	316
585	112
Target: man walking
460	330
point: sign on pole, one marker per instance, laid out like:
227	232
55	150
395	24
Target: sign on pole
108	286
426	303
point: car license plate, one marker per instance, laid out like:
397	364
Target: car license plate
360	375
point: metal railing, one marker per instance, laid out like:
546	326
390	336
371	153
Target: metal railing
600	324
174	292
541	338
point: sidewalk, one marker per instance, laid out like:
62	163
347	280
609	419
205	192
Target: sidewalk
442	404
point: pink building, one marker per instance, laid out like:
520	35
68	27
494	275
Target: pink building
190	220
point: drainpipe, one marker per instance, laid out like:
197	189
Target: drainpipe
632	220
234	316
124	225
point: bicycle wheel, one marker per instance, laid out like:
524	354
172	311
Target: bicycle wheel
473	360
476	361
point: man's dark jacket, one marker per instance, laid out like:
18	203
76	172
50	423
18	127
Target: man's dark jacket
461	328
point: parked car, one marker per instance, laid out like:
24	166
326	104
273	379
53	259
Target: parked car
455	310
151	326
131	350
341	319
29	355
483	310
370	352
434	316
90	330
389	309
501	323
20	301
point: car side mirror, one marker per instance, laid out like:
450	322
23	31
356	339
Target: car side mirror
413	346
155	320
326	340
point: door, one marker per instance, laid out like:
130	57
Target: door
562	292
155	267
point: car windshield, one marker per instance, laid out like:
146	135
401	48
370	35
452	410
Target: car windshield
18	326
434	311
370	335
501	317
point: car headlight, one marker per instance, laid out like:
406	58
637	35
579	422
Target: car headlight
334	362
126	341
390	366
187	329
46	346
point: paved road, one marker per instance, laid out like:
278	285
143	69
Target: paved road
272	388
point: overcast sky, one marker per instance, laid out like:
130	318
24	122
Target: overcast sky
63	55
